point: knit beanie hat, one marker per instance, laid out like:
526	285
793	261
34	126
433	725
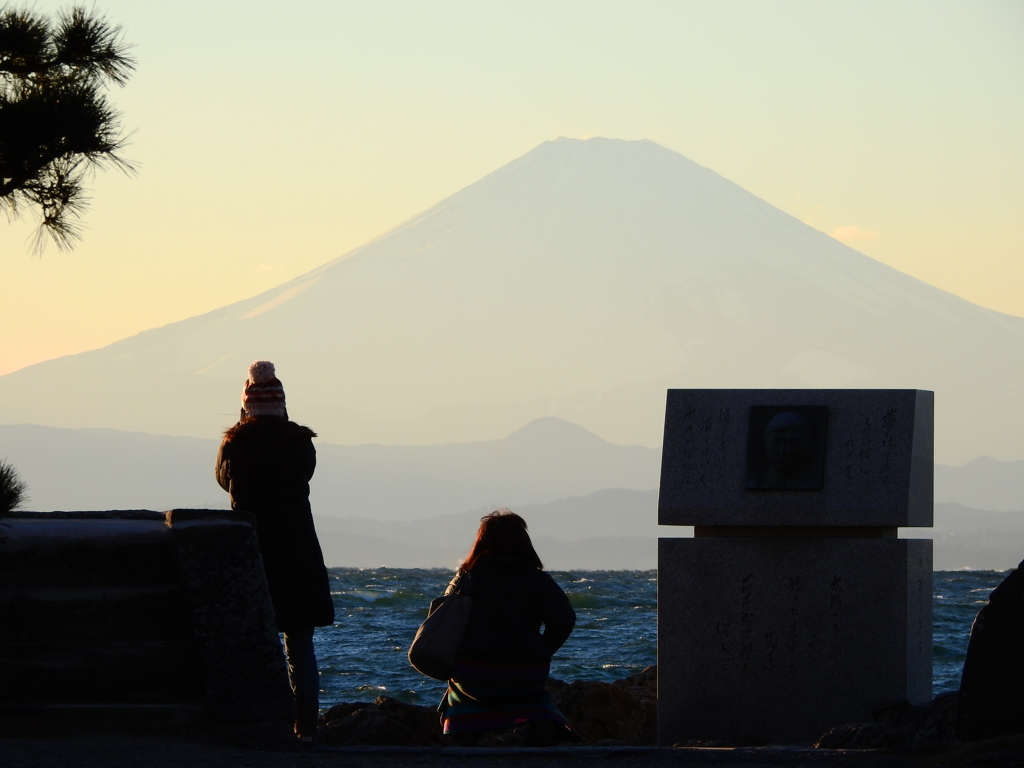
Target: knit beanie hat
263	394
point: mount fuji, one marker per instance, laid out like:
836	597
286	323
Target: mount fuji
578	281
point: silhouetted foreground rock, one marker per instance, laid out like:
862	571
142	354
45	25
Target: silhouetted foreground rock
992	684
898	724
386	721
623	712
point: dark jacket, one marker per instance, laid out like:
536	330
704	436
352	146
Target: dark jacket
511	600
265	464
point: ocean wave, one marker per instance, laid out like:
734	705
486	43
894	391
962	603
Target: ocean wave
379	609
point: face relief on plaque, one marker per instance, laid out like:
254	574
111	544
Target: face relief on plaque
786	447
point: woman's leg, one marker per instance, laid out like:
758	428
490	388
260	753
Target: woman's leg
305	680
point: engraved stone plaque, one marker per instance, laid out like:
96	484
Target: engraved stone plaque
873	447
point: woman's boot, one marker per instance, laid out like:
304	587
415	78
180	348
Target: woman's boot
307	716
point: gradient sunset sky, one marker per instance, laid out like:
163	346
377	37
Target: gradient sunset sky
273	137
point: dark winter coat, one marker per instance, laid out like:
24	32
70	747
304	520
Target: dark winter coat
511	600
265	464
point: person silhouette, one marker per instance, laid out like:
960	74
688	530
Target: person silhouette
504	661
265	462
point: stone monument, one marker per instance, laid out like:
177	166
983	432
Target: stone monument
795	608
141	616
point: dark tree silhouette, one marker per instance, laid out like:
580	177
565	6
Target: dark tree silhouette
12	489
56	124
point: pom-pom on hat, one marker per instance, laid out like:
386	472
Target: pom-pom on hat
263	394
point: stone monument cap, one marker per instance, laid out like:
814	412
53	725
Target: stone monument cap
797	457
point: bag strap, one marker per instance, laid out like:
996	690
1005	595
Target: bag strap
459	583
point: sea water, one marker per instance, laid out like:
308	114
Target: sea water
363	655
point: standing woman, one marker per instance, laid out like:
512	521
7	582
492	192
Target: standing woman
265	462
505	659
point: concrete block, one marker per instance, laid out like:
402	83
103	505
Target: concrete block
776	640
44	551
229	604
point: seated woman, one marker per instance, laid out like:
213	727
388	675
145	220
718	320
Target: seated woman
504	661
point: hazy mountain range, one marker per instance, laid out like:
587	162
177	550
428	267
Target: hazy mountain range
548	459
579	281
590	504
615	529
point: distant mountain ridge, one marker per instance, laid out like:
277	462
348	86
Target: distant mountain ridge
974	539
579	281
606	530
590	504
983	483
616	529
546	460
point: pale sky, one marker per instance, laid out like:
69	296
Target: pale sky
273	138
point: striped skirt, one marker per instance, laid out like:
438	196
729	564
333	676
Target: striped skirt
492	696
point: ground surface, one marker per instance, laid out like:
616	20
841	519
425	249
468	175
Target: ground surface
42	745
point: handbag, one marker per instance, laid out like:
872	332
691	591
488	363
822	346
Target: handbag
438	639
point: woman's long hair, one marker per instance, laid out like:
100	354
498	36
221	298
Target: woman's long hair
502	534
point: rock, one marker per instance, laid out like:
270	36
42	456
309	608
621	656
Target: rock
386	721
992	683
861	736
623	712
898	724
646	679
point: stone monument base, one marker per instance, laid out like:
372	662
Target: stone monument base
774	640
